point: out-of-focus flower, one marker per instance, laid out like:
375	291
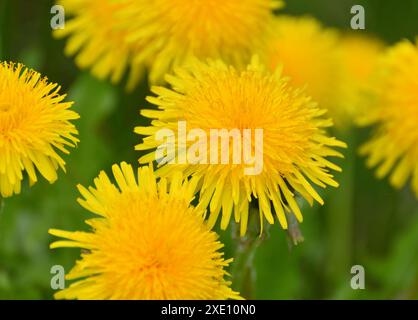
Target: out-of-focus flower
170	32
109	36
96	38
393	148
310	56
147	243
360	54
34	124
295	146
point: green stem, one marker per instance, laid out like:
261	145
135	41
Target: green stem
339	213
243	271
1	205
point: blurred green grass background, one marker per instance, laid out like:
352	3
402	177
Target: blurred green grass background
363	222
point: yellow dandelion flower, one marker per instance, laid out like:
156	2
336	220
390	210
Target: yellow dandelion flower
172	31
360	54
97	40
309	55
110	36
147	243
34	124
294	143
394	112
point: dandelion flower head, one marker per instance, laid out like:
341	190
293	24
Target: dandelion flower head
360	54
310	57
147	242
213	95
111	36
393	147
170	32
35	125
97	40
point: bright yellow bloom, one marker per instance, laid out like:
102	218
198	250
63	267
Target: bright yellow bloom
109	36
394	112
34	124
147	243
97	39
360	55
295	145
309	55
172	31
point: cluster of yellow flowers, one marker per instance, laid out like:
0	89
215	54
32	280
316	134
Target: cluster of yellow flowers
220	64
